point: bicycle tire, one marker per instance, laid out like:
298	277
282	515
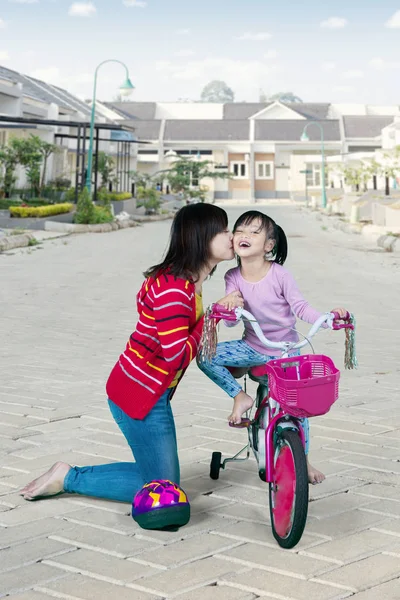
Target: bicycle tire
288	493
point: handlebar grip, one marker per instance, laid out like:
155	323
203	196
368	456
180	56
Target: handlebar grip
337	317
220	312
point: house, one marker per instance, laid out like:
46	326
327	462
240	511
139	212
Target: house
258	143
30	106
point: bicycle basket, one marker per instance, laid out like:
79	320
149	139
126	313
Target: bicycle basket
305	386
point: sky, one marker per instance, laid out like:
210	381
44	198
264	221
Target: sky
323	52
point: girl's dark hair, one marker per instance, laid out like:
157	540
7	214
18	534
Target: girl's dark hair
272	231
193	228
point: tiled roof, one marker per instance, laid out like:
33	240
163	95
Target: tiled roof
206	130
365	126
243	110
145	130
134	110
291	130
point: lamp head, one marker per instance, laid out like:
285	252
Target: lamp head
304	137
126	88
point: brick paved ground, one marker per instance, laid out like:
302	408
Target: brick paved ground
66	310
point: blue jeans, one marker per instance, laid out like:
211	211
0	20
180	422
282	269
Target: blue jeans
237	353
154	447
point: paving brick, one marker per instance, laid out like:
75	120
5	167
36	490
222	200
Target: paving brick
344	523
30	595
116	544
32	511
100	565
87	588
216	592
27	577
263	582
365	573
386	591
31	551
188	550
353	546
203	572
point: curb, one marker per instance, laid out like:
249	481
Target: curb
103	227
9	242
372	233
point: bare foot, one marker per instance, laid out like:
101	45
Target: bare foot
314	476
48	484
241	403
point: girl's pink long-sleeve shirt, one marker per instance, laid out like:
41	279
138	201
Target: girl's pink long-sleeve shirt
275	301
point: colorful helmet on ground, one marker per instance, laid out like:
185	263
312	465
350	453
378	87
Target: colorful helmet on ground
161	504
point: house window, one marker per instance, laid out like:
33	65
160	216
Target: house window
239	170
313	175
264	170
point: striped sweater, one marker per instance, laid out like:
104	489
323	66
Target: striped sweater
164	342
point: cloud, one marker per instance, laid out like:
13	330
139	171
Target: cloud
135	3
252	36
353	74
184	53
334	23
82	9
270	54
2	23
4	55
243	73
343	88
382	65
394	21
54	76
328	66
183	31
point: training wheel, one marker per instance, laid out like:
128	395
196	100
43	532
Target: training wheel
215	465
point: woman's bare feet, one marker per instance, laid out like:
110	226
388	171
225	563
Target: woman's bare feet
314	476
241	403
48	484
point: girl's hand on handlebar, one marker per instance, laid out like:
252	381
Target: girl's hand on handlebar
342	312
232	300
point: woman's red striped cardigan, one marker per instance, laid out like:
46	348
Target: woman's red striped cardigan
166	339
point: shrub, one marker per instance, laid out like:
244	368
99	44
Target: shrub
116	196
69	195
102	214
84	208
40	211
103	198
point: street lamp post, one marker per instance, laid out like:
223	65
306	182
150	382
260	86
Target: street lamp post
305	138
125	89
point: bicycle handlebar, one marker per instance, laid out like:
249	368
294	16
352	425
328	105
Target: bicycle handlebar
220	312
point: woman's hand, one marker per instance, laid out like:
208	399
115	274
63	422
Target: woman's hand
232	300
343	312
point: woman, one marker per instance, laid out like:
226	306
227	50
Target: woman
144	379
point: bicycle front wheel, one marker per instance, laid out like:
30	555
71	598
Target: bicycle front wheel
288	493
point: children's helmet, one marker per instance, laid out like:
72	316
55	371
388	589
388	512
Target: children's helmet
161	504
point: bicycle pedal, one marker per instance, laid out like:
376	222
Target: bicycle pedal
243	424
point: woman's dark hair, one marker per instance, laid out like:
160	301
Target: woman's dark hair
193	228
272	231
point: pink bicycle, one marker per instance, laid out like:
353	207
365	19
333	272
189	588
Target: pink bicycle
289	388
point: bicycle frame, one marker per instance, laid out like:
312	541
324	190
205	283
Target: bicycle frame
269	412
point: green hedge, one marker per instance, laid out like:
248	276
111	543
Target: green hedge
40	211
115	196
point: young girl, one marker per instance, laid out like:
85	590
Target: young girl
143	381
270	293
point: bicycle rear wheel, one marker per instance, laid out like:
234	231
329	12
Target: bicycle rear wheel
288	493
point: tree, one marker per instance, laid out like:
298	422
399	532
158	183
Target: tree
8	163
285	97
143	180
150	198
186	174
217	91
31	153
105	167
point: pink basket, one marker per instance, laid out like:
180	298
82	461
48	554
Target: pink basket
305	386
